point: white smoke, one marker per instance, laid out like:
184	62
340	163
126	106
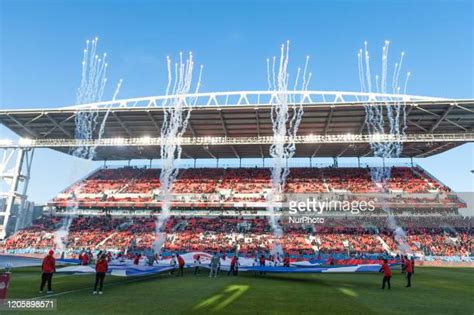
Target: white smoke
285	128
91	90
385	116
177	111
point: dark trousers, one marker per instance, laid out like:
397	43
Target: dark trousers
196	270
99	280
409	279
233	270
46	277
387	281
181	271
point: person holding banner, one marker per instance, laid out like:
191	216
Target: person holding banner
409	271
101	268
197	263
387	274
215	264
173	264
47	269
180	265
234	266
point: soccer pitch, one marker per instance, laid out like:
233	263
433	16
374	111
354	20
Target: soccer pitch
434	291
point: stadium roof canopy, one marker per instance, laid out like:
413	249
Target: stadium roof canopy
238	125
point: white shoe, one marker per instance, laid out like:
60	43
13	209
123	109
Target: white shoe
95	292
50	292
100	292
40	292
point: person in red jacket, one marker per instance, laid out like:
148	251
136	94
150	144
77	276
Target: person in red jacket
387	274
84	259
47	269
180	265
101	268
408	270
286	261
234	269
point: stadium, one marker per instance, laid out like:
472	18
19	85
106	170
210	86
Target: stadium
216	216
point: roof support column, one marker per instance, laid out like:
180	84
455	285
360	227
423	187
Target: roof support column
17	179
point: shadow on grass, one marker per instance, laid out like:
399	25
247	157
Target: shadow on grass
288	278
220	301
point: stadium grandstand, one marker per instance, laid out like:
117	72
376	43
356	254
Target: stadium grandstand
220	208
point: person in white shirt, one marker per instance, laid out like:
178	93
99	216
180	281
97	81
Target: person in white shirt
215	264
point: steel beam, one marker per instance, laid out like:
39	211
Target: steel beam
264	140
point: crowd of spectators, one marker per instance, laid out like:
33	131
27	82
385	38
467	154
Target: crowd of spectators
132	187
427	235
38	235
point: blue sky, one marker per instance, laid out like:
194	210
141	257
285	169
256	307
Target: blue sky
41	46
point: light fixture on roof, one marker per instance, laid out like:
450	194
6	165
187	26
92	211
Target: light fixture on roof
377	137
118	141
25	141
348	136
145	140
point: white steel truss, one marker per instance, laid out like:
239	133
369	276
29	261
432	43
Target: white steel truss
258	98
15	169
25	143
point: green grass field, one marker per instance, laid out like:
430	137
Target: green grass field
434	291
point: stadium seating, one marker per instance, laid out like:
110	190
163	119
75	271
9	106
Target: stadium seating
132	187
436	231
427	235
